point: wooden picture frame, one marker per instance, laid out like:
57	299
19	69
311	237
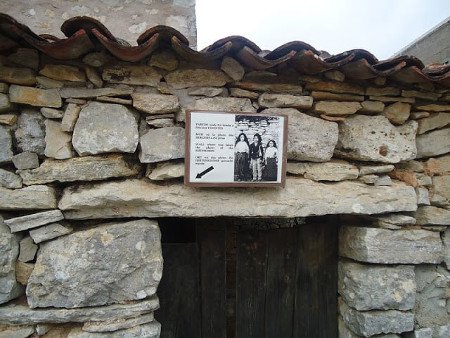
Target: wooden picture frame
215	158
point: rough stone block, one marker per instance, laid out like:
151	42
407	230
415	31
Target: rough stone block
434	143
441	185
132	74
232	68
433	122
35	96
430	215
166	171
34	220
369	323
63	73
9	180
48	232
26	57
374	138
5	145
104	128
20	76
27	250
155	103
57	142
196	78
149	330
28	198
30	132
111	263
336	108
398	112
26	160
70	117
327	171
385	246
268	100
162	144
374	287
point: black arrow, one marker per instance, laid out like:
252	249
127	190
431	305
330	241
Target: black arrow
204	172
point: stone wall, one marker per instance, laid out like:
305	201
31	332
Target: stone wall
92	152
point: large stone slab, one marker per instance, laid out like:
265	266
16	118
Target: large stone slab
376	287
9	251
369	323
375	245
284	100
327	171
149	330
63	73
111	263
20	76
309	138
5	145
300	197
336	108
132	74
196	78
28	198
429	215
434	143
87	168
22	314
104	128
441	185
335	87
374	138
162	144
34	220
433	122
48	232
35	96
9	180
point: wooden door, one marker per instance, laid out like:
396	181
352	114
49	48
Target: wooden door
271	283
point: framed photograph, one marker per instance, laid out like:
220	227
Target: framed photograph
235	149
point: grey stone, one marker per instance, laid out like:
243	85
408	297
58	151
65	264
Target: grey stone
432	283
207	91
5	145
26	160
70	117
142	198
434	143
22	314
423	180
423	197
368	179
111	263
375	287
443	331
441	185
383	181
421	95
97	59
336	108
161	123
434	107
63	73
9	180
162	144
20	76
335	87
369	323
309	138
58	143
430	215
398	112
166	171
49	231
26	57
155	103
412	165
335	75
5	105
23	272
110	326
149	330
19	332
232	68
47	83
165	59
42	329
373	138
284	101
95	92
34	220
446	240
327	171
435	121
9	251
132	75
326	96
35	96
196	78
103	128
8	119
420	333
374	245
417	115
377	169
28	198
30	134
27	250
86	168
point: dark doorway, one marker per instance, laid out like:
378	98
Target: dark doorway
248	278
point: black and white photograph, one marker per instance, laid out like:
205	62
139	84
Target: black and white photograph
235	149
256	154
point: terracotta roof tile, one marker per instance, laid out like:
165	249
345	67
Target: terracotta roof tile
84	34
